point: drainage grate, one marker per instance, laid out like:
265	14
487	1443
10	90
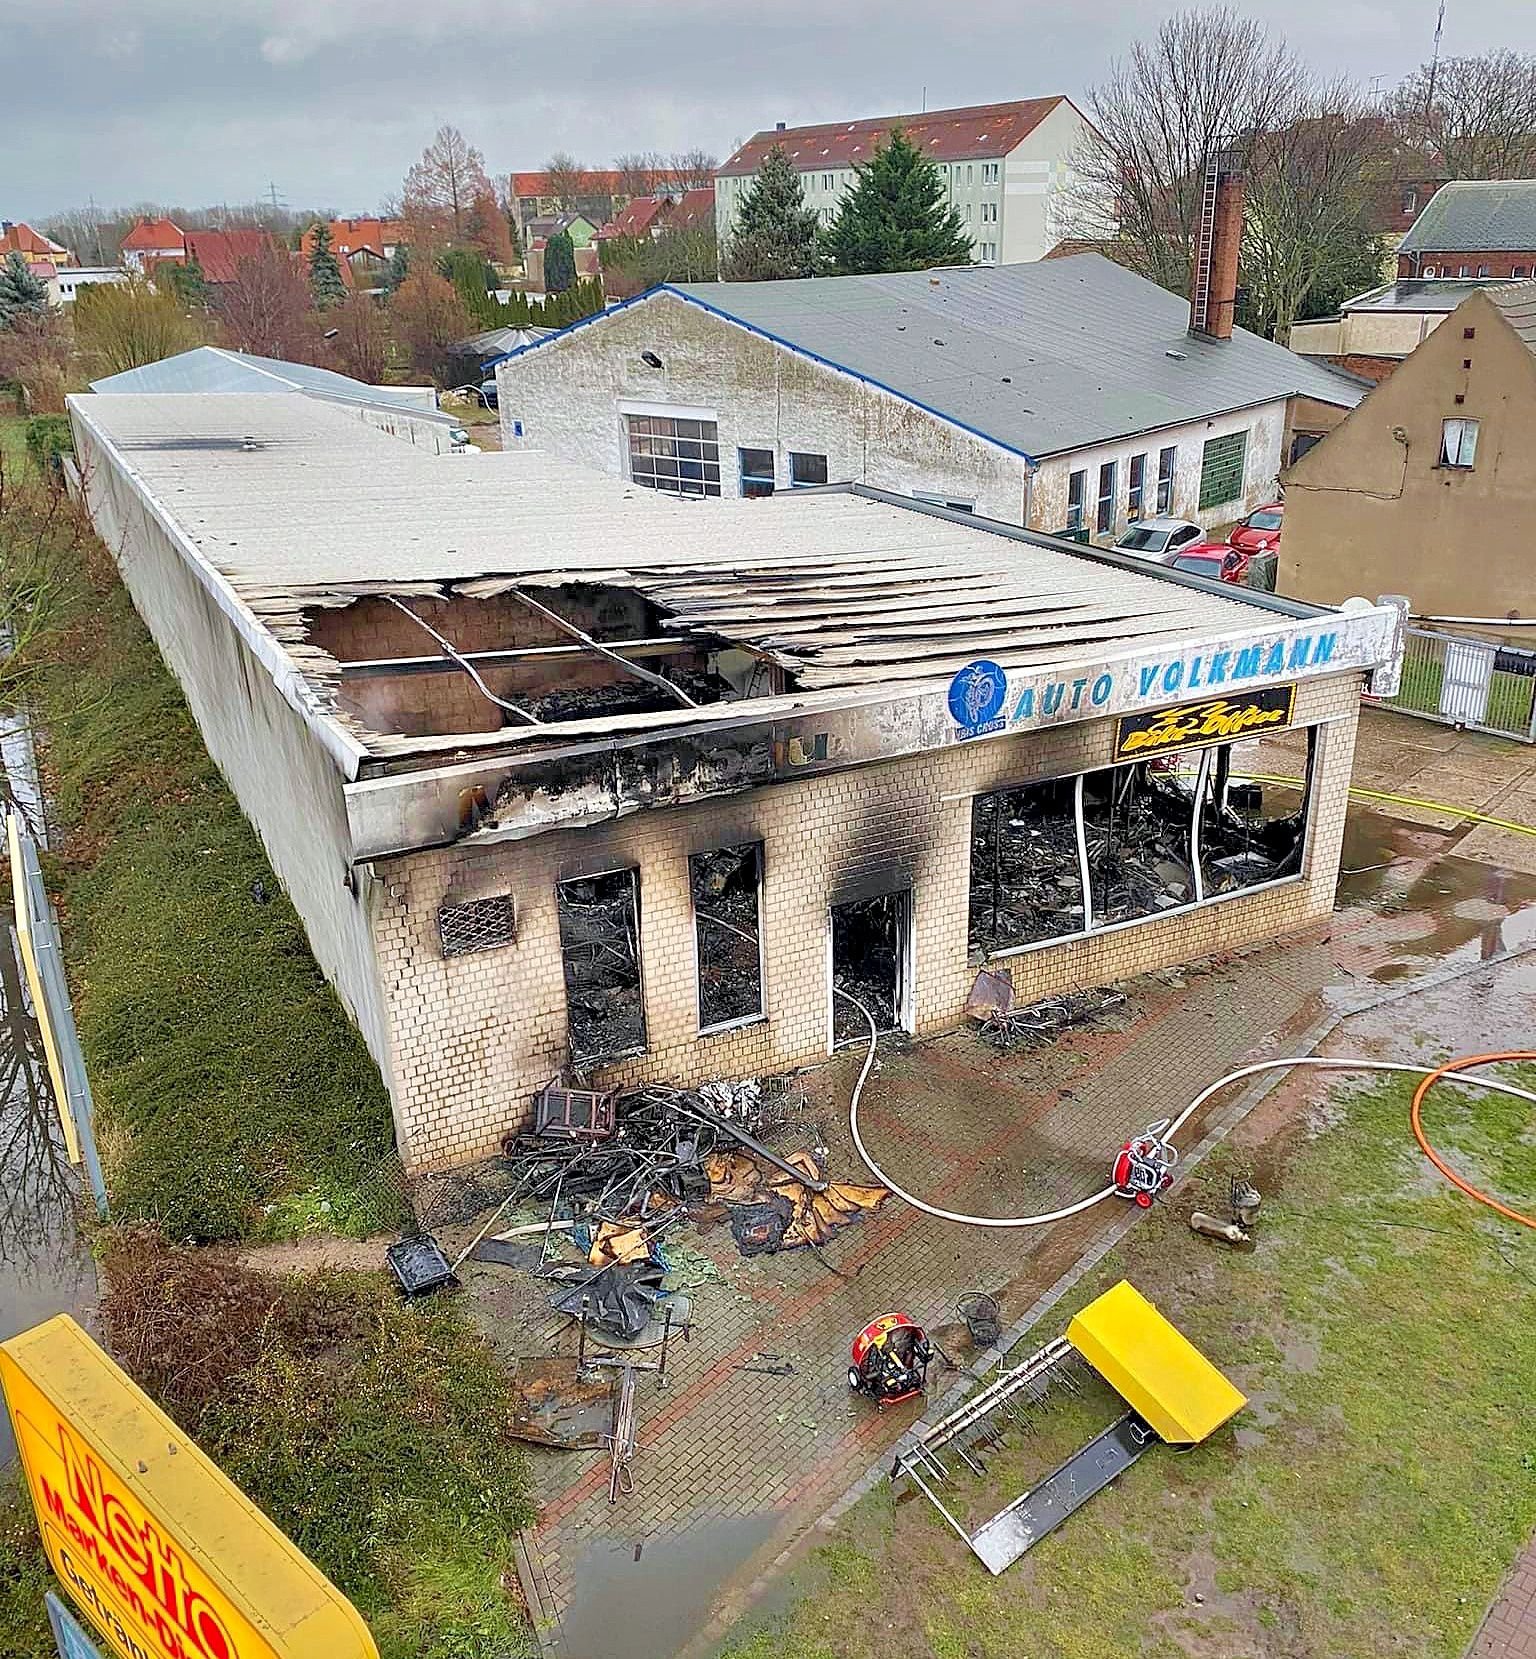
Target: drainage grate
480	924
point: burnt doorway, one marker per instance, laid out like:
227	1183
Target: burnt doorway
870	958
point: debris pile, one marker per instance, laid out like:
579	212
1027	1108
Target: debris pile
1040	1023
1136	824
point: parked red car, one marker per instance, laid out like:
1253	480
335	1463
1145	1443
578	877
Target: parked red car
1260	531
1221	562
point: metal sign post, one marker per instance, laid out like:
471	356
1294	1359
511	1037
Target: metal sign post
68	1632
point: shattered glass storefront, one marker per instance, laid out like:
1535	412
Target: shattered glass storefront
1067	857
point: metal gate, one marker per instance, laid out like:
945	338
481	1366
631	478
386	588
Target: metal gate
1468	682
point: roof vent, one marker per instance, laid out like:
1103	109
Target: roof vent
1177	356
778	126
249	443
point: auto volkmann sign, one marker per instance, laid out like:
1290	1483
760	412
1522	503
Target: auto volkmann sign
160	1551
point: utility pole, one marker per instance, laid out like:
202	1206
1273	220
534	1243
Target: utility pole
1434	67
95	213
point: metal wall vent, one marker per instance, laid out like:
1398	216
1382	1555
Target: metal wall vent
478	924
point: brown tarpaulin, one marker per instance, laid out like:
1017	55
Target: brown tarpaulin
737	1178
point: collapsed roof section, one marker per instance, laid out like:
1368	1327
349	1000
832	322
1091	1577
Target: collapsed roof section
490	615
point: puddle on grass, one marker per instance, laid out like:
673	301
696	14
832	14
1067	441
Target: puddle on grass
653	1606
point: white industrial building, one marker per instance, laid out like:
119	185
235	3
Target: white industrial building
1064	395
1007	169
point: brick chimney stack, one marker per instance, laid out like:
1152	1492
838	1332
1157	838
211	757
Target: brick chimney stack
1218	242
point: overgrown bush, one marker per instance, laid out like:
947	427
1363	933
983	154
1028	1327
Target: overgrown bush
372	1432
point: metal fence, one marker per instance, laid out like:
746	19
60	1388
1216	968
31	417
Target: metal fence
1468	682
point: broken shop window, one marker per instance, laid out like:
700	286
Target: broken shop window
1136	823
1026	869
726	885
600	948
1250	832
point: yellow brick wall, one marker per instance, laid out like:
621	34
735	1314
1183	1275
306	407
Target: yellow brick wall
475	1036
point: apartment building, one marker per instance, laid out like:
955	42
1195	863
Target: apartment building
1007	168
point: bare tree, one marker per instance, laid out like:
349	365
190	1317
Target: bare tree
36	351
441	186
1477	114
641	172
1311	184
268	309
362	338
1208	76
693	169
566	175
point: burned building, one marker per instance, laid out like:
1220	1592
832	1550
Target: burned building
566	775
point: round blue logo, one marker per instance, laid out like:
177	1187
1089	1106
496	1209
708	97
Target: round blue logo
976	696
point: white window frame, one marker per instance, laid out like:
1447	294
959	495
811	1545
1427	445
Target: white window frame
1458	444
1163	500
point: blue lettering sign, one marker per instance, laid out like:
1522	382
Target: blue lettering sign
976	697
1102	688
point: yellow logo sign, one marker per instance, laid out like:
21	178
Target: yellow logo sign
1211	720
164	1554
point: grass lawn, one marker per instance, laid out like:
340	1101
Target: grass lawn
1366	1503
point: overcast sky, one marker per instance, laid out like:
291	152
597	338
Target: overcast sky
193	102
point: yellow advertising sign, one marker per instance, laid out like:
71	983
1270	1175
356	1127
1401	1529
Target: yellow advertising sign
160	1550
1209	720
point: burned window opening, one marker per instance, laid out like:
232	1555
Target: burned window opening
1026	868
868	951
476	925
600	949
1250	832
727	887
1136	823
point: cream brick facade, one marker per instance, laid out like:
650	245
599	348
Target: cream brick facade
475	1036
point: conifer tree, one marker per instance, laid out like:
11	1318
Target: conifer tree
559	263
775	232
895	218
20	291
325	279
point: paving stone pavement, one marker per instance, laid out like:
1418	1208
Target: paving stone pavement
1509	1631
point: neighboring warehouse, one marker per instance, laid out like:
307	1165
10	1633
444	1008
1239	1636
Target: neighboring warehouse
1007	169
1474	228
1374	332
1429	488
561	773
1066	394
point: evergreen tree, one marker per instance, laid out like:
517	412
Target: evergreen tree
186	282
325	280
20	291
559	263
398	268
775	232
895	217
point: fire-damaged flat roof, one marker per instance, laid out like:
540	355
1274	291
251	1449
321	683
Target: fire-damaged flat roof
283	505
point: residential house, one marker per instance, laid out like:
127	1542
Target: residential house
694	210
583	235
1474	228
32	245
1429	487
641	216
1064	395
1007	169
362	248
1374	332
882	781
597	194
153	242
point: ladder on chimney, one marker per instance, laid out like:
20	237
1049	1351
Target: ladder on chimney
1205	236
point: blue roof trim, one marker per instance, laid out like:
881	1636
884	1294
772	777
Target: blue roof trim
777	340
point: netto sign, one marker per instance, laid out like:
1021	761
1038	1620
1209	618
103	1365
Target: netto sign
1211	720
164	1555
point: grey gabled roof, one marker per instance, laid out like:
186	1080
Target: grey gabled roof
1517	300
217	369
1471	215
1040	358
1419	294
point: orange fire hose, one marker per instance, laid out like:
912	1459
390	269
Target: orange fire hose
1465	1063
